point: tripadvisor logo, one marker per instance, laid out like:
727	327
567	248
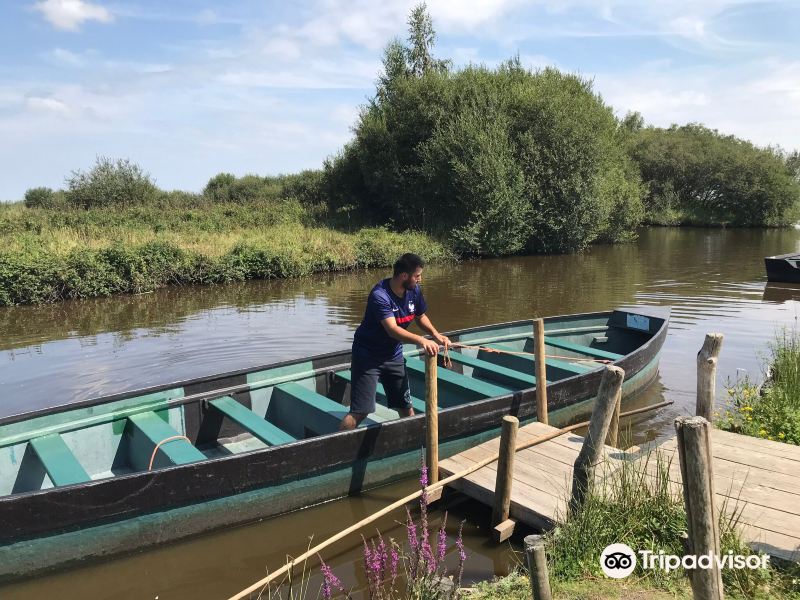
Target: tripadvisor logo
619	560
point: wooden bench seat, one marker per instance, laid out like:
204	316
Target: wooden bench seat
58	460
259	427
145	431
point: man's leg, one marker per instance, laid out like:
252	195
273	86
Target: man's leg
363	384
394	378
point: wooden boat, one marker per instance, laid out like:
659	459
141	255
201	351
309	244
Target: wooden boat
112	474
783	267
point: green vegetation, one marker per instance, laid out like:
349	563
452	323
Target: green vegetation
773	412
698	176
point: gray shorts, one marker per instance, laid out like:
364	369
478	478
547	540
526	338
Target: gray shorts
364	383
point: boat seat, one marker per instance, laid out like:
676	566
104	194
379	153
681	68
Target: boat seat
260	428
469	388
148	429
419	405
296	408
58	460
570	367
488	370
579	349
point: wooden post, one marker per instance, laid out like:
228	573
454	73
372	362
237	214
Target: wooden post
541	371
613	429
503	527
592	449
707	375
697	473
431	419
537	567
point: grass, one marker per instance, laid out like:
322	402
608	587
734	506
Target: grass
772	412
50	255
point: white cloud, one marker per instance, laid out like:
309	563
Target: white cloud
48	105
71	14
66	58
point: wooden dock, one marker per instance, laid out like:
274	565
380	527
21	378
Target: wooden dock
757	479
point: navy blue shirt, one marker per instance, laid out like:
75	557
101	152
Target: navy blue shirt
382	304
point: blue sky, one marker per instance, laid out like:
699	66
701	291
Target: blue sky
190	88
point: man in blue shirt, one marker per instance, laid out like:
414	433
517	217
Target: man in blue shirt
392	306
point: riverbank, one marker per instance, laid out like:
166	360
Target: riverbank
50	256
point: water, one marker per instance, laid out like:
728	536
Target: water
713	280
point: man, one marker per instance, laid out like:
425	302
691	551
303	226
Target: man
392	306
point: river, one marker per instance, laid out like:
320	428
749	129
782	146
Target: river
50	355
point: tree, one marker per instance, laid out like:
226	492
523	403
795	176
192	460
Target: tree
421	39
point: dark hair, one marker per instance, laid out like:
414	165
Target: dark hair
407	263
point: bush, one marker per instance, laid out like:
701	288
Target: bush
39	197
109	183
697	175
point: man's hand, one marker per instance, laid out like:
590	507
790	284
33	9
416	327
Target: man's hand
444	341
431	347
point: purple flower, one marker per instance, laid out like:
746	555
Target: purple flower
329	581
462	554
441	545
394	559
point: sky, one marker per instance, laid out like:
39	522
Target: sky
191	88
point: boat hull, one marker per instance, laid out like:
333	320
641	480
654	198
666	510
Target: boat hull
62	526
783	268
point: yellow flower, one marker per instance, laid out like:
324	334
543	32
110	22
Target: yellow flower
762	433
781	435
749	418
769	437
747	408
731	391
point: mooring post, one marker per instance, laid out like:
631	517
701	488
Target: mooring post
697	473
613	429
431	419
537	567
707	375
592	448
503	526
540	360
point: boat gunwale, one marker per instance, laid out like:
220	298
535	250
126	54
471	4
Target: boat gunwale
90	402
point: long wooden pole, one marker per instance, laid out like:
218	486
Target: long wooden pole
613	429
505	476
707	375
431	418
413	496
697	473
592	448
540	360
537	567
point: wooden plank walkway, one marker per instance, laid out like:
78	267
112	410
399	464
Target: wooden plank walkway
757	479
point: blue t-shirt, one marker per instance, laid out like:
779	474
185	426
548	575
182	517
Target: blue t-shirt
382	304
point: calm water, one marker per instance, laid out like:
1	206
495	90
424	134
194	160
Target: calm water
713	280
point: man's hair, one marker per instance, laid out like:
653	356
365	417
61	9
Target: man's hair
408	263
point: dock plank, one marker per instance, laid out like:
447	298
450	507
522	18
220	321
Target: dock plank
756	481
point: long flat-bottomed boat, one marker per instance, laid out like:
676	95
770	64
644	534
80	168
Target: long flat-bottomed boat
105	476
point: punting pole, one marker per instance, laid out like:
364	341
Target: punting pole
413	496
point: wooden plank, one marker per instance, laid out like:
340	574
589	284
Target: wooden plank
261	428
752	457
146	431
579	349
417	403
503	375
58	460
451	378
570	367
737	440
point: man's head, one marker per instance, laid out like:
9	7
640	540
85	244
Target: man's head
408	270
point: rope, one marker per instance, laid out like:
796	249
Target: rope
413	496
448	362
164	441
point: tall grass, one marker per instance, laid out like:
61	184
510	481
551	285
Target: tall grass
772	411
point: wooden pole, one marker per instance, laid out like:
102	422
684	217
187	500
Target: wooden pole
697	473
613	428
431	418
540	360
505	477
311	552
707	375
592	449
537	567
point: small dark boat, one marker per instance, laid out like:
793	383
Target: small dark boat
783	268
121	472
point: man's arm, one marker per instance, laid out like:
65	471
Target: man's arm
427	326
401	335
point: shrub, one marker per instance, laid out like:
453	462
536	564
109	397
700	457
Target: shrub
218	187
39	197
109	183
